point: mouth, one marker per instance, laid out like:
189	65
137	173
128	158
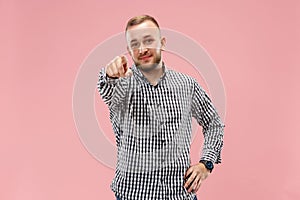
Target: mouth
146	57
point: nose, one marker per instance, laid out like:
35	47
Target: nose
142	48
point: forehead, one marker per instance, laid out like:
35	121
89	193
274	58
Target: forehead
142	30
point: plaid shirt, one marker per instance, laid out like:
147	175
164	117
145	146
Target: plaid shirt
153	126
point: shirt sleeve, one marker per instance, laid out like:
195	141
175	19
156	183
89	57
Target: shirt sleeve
112	90
213	128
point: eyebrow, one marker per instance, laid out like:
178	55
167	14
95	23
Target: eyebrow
134	40
145	37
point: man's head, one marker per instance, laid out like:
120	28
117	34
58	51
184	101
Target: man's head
144	42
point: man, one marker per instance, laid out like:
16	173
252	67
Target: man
151	109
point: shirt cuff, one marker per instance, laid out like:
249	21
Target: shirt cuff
103	78
211	155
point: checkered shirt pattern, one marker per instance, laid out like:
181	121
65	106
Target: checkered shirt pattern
153	127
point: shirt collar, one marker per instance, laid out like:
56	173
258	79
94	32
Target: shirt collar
137	72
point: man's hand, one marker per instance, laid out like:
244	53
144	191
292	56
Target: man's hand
194	177
118	68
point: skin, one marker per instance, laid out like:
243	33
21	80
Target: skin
147	57
144	40
196	174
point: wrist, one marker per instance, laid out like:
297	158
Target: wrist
207	164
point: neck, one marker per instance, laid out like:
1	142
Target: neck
154	74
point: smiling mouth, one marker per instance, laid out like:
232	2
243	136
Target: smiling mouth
145	57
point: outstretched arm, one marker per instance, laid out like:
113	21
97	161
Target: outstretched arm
110	85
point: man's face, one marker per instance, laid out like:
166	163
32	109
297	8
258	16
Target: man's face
144	44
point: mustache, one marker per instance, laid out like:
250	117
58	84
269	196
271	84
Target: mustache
144	55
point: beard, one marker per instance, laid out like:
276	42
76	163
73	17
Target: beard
146	67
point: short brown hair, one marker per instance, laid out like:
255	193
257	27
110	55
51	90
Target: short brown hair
140	19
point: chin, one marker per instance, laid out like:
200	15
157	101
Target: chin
147	67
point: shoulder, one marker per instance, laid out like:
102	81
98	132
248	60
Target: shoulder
180	77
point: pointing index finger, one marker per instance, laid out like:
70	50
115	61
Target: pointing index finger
124	62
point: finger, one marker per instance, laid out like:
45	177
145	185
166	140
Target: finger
119	66
125	66
187	178
198	185
114	70
109	72
188	172
190	180
187	182
124	62
194	184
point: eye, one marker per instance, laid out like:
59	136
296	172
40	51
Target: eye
148	41
134	45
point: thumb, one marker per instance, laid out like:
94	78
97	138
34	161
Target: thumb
128	72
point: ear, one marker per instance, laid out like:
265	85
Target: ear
163	42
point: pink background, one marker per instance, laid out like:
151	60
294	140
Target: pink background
256	47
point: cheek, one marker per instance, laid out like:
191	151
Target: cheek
135	57
135	54
154	51
157	52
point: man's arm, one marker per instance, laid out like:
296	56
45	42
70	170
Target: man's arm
106	87
110	85
213	130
